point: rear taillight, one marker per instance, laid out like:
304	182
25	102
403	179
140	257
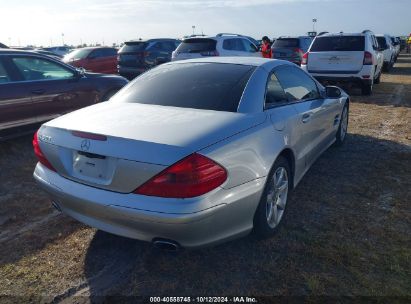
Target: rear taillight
305	59
192	176
39	154
210	53
146	54
368	59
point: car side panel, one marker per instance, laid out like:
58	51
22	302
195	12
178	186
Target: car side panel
16	107
250	155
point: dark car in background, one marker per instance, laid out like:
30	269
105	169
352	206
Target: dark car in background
35	88
3	46
137	56
291	48
43	52
94	59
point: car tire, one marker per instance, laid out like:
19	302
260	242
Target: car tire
366	89
271	209
343	127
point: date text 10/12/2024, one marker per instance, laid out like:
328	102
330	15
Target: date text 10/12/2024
203	300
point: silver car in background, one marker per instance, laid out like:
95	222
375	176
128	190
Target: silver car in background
191	153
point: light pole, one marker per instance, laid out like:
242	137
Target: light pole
62	38
193	27
314	22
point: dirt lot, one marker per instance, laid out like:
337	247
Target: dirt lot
348	230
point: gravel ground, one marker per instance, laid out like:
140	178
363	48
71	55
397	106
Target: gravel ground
347	232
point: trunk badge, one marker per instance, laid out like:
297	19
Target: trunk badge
85	145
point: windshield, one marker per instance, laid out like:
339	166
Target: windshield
133	47
209	86
197	46
338	43
288	42
78	54
382	42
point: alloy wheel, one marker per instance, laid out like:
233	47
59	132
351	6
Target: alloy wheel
277	197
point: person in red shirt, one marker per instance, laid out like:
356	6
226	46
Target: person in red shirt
266	48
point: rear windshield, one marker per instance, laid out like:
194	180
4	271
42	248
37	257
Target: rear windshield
133	47
208	86
286	42
78	54
342	43
196	46
382	42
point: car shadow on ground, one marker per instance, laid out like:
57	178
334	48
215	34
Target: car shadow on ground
346	226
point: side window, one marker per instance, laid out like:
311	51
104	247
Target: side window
297	84
274	94
249	46
4	76
109	52
233	44
32	68
96	54
156	46
169	46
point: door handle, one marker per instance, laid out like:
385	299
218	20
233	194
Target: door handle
306	118
38	91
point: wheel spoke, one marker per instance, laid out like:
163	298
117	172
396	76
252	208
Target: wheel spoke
277	197
280	178
282	187
281	203
275	214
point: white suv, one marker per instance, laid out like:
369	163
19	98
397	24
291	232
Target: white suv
388	50
354	58
219	45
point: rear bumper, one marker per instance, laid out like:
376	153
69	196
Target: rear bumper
341	79
229	217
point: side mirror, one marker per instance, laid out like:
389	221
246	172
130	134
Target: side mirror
332	92
80	72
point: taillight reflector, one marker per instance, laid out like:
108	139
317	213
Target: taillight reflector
305	59
192	176
368	58
39	154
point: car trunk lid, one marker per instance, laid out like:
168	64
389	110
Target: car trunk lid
337	55
335	62
119	146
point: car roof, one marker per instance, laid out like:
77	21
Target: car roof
292	37
253	61
94	48
219	36
19	52
342	34
150	40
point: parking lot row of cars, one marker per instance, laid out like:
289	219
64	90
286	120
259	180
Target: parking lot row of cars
43	84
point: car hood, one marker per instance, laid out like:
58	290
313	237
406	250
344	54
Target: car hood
177	132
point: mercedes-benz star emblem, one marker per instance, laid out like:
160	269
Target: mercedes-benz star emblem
85	145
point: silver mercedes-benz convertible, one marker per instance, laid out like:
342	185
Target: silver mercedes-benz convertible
191	153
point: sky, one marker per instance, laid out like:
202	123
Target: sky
52	22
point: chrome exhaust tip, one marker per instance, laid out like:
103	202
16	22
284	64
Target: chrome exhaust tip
166	245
